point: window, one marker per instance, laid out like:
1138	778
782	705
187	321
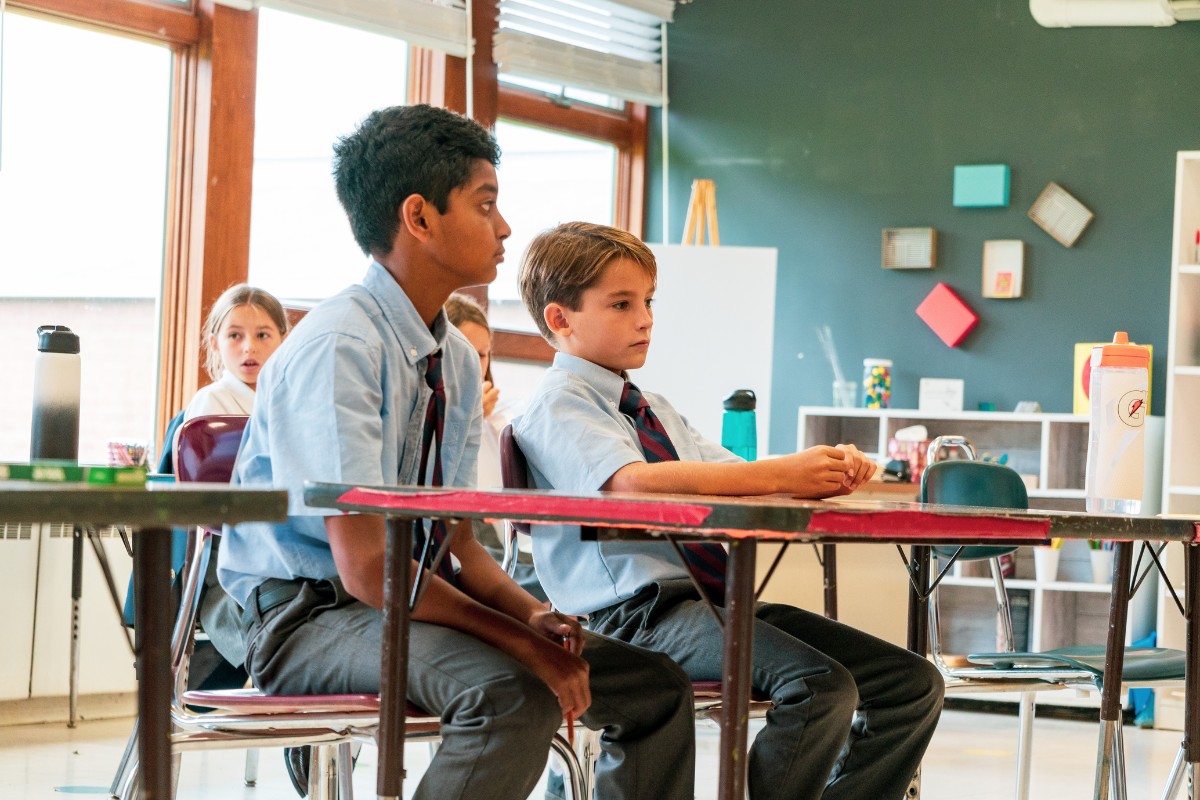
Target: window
301	247
546	178
83	177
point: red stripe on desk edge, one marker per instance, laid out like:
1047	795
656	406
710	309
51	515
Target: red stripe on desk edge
585	510
918	524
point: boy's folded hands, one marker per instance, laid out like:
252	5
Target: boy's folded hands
562	668
824	471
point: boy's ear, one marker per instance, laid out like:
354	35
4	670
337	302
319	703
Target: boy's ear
557	320
414	216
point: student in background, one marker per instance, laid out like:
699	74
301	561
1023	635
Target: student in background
377	388
243	329
853	714
471	320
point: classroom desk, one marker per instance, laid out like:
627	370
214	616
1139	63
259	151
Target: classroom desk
151	512
742	523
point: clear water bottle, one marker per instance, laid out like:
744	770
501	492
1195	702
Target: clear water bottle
55	434
739	430
1116	455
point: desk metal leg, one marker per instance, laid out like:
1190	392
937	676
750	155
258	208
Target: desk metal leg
919	559
1191	703
736	669
152	601
1110	756
829	568
393	690
76	601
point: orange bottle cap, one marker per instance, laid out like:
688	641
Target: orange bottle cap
1121	353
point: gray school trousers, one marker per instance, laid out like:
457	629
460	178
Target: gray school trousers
853	714
497	717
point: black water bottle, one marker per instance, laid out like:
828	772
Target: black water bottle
56	396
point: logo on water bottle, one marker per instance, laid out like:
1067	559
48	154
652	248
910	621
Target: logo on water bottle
1132	408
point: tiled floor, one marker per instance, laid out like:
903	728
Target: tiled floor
971	758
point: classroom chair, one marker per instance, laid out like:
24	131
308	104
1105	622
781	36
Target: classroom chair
247	718
514	473
968	482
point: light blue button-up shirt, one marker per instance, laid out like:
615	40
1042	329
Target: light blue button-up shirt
343	400
574	438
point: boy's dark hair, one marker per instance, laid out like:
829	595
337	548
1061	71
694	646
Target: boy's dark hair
563	262
398	152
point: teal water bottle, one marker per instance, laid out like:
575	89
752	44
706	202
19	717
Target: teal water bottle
739	433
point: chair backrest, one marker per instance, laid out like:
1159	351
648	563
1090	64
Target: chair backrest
514	469
973	483
207	447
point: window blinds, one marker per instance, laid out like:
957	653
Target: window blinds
609	46
437	24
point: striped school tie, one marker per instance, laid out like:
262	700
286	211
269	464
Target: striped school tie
706	560
431	444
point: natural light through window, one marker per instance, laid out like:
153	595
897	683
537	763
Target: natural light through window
83	188
545	178
316	82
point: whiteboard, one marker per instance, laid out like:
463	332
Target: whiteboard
714	332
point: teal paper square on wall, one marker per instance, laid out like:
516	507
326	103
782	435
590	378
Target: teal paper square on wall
980	185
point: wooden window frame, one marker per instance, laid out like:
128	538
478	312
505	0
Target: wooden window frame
211	156
207	235
439	79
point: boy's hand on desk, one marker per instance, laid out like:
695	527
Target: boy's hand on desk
863	468
820	471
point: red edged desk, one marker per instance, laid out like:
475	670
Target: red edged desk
151	512
742	523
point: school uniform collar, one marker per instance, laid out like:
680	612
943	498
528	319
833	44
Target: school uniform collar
606	382
240	391
417	342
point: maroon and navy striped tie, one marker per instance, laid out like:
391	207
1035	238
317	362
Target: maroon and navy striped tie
431	444
706	560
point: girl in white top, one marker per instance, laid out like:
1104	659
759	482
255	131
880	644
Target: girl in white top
243	329
471	320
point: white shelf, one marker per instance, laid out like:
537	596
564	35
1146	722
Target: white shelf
1181	473
1051	448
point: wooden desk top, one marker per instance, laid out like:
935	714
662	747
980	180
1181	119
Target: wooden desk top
772	518
159	504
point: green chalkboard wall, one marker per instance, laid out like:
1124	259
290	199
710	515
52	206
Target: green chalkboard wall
824	122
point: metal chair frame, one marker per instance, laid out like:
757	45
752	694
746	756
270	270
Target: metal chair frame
247	718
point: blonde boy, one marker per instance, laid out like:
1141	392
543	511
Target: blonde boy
853	714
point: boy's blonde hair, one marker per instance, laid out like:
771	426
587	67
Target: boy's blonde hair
563	262
240	294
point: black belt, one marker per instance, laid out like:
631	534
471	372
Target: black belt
271	593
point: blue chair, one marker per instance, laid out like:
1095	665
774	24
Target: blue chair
967	482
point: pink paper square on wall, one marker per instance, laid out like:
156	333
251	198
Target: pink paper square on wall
947	315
